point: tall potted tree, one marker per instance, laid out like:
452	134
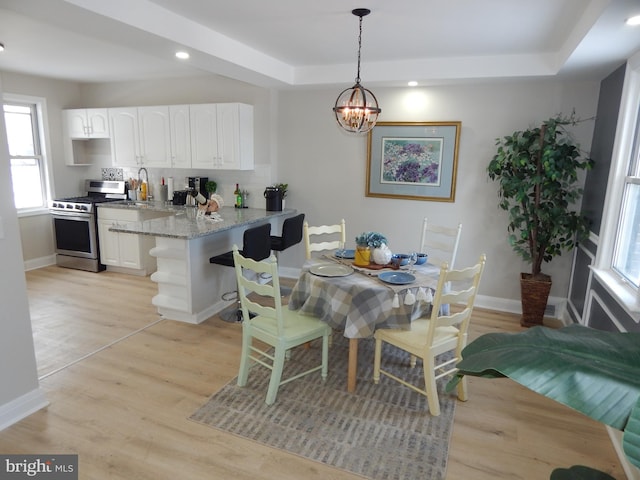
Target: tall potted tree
537	171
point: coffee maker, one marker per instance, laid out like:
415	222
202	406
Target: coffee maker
198	183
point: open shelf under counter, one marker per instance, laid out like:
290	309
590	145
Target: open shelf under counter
169	278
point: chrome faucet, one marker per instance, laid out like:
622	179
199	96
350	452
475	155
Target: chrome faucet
146	174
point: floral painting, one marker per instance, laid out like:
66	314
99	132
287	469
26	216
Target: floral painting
411	160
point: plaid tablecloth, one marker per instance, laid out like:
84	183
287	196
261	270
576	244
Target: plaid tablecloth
359	303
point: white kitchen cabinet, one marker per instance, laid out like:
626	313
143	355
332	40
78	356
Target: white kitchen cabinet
140	136
85	123
85	136
126	252
179	124
222	136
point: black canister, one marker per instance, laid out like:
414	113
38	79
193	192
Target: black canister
274	199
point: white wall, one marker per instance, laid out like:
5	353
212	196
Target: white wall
36	231
20	393
298	142
325	168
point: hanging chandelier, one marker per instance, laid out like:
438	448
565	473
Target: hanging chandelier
357	108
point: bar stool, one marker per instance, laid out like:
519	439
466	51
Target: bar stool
291	234
256	244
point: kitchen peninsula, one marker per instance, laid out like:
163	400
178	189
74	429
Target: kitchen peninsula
190	289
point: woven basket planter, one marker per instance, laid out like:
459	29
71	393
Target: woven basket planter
534	294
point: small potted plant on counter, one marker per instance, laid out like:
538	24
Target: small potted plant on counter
211	187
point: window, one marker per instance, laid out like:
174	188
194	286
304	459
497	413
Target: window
617	264
626	257
28	165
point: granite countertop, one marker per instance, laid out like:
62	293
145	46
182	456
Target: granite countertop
184	224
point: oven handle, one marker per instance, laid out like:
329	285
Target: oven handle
70	215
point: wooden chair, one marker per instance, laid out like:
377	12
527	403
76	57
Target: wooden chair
440	243
279	327
327	235
430	337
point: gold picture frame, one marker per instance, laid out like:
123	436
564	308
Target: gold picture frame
413	160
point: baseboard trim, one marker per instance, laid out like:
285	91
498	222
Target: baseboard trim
39	262
22	407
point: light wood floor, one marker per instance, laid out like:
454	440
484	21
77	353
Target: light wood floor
124	408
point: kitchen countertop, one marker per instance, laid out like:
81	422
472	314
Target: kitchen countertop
181	221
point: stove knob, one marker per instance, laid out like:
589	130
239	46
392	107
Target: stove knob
69	206
54	204
84	207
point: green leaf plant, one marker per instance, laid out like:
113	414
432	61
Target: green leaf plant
537	171
591	371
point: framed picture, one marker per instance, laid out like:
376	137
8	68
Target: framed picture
416	161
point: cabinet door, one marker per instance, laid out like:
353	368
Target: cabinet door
125	148
180	136
75	123
109	245
204	135
228	136
154	136
98	122
235	136
129	246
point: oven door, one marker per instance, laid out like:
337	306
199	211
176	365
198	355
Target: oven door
75	234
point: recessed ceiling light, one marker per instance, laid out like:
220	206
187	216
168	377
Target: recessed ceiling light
634	21
182	55
1	47
413	83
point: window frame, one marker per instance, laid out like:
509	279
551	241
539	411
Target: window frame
40	104
627	125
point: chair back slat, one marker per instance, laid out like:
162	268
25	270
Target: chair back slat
248	274
327	237
440	242
455	287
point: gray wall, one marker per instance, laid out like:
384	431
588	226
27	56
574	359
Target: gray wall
590	303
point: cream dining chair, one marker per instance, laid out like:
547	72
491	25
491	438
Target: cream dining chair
326	237
440	243
428	338
272	324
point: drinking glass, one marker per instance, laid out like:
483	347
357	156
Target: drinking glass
413	258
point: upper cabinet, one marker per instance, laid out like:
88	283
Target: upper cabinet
85	123
86	136
140	136
222	136
209	136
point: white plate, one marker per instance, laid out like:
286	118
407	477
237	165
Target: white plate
331	270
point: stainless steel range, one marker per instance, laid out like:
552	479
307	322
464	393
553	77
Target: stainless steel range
75	224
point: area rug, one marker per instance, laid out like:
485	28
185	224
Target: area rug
382	431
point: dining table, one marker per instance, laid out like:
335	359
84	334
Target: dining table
357	300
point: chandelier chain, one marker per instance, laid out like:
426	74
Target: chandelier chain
359	48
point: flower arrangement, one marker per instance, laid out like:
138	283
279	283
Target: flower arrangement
371	239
